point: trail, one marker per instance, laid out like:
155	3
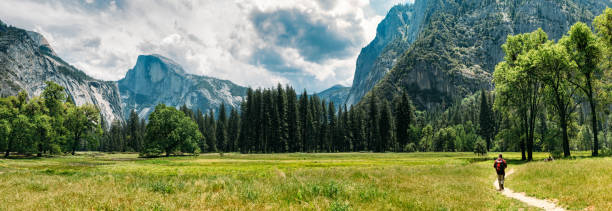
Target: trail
531	201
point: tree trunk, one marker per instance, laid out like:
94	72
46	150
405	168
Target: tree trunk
525	131
594	127
523	157
530	137
593	115
40	150
8	149
566	149
77	138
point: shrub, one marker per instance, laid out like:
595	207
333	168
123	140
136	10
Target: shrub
410	147
480	147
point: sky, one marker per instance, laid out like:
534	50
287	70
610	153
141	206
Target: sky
308	44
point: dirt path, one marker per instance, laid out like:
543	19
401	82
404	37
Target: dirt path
531	201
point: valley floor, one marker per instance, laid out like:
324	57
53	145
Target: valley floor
342	181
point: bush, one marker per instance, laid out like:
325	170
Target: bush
480	147
410	147
556	154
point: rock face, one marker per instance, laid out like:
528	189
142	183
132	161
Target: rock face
336	94
27	61
156	79
459	44
394	35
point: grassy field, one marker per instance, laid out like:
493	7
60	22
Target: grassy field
344	181
574	184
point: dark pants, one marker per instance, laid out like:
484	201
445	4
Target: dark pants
500	180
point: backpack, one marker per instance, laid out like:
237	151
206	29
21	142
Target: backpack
500	164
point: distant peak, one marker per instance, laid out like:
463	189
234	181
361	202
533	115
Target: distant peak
156	58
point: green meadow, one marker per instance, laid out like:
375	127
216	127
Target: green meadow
297	181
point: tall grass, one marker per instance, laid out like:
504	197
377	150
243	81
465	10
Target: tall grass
344	181
574	183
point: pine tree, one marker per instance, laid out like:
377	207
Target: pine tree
283	126
332	137
211	134
359	129
305	122
245	136
233	130
268	117
404	116
293	119
373	125
486	120
346	131
200	120
260	127
134	135
222	129
386	128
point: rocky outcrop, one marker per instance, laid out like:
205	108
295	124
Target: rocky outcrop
336	94
394	35
27	61
460	42
156	79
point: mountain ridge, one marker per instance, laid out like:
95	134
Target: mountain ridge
156	79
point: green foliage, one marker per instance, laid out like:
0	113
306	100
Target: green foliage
426	142
480	147
170	130
603	26
517	84
81	121
444	140
584	48
410	147
54	97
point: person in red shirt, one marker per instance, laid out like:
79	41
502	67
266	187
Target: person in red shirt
500	166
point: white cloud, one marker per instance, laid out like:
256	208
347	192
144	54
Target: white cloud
214	38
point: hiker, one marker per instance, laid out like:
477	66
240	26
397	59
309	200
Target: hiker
500	166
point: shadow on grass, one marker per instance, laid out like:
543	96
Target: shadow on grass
170	156
24	157
491	158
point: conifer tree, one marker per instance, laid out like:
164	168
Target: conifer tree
222	129
293	119
373	124
486	120
233	130
386	128
404	117
211	134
